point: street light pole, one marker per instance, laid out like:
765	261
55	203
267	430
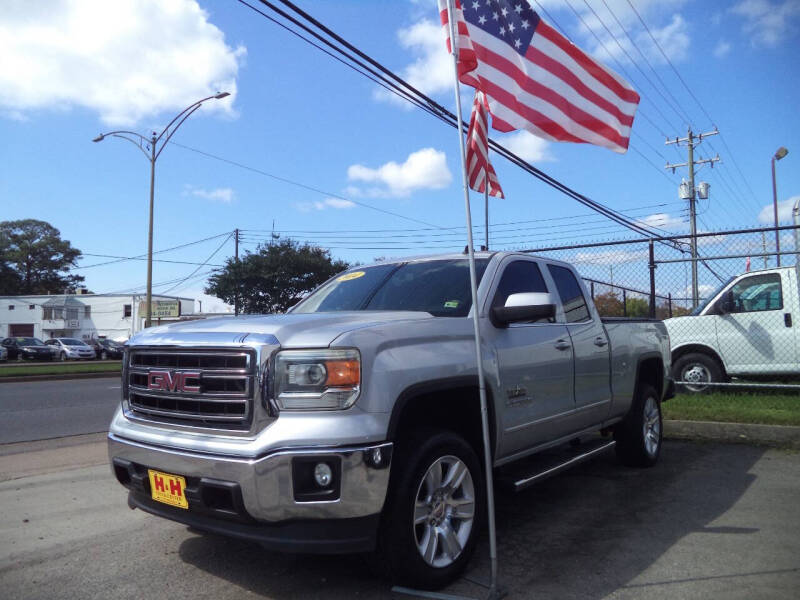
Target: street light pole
779	154
152	144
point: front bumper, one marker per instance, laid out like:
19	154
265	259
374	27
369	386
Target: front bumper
256	498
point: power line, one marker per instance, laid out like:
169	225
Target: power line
204	263
122	259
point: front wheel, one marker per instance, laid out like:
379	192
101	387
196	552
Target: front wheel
62	357
639	435
435	506
697	370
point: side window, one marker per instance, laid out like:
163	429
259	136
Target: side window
519	277
569	291
757	293
126	310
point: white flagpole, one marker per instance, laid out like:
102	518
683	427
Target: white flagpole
487	451
486	203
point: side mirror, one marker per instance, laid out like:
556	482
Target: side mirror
524	307
725	304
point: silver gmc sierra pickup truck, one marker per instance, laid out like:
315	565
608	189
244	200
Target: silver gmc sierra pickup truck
352	423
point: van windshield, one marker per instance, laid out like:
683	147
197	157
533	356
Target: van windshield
438	287
702	306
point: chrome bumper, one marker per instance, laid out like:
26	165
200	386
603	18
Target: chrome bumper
266	483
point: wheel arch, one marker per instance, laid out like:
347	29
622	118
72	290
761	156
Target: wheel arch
681	351
650	369
451	403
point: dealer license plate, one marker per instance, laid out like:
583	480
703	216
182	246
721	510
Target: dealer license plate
167	488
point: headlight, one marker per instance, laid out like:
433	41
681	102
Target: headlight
317	379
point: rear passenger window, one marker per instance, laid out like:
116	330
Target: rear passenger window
521	276
569	291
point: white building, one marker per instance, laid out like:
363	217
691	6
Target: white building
86	316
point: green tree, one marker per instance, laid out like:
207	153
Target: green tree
637	307
34	259
608	304
274	277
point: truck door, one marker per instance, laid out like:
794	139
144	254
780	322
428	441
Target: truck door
757	335
590	348
534	365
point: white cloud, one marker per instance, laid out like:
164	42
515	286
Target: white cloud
210	304
767	214
528	147
223	195
423	169
337	203
768	24
432	69
126	60
722	49
663	221
673	39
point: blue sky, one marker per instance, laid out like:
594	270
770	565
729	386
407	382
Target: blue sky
75	69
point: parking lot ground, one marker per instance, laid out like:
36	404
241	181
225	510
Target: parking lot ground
710	521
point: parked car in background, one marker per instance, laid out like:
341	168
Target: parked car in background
71	348
26	348
105	349
744	329
3	353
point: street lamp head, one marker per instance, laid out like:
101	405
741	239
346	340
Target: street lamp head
99	138
782	151
221	95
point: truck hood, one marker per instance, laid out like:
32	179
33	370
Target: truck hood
290	331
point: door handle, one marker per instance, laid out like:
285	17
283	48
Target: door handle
563	345
787	319
600	341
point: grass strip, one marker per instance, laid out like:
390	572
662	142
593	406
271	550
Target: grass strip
767	409
60	369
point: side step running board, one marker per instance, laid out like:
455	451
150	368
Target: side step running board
559	463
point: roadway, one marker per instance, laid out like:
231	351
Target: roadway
709	521
49	409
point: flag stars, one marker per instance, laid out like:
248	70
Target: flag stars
525	24
504	11
495	16
518	8
482	20
502	31
517	43
475	5
511	27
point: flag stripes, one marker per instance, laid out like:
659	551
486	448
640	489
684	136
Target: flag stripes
478	164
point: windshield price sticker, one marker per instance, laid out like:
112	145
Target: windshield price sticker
349	276
451	304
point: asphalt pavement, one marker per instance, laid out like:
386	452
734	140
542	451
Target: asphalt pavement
48	409
709	521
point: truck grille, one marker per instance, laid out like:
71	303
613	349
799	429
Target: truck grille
202	388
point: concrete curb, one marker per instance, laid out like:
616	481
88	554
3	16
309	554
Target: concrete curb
779	436
58	376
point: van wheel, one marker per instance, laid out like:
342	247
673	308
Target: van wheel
433	511
697	370
639	435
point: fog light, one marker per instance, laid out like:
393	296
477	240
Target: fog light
377	456
322	475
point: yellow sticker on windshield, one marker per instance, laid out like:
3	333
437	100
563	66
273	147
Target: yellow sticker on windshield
349	276
451	304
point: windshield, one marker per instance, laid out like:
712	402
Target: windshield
23	341
702	306
71	342
438	287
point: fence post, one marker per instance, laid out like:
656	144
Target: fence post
652	280
624	302
669	302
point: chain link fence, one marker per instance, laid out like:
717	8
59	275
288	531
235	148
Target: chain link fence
734	325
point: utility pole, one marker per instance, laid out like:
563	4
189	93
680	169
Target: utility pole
764	248
691	141
236	295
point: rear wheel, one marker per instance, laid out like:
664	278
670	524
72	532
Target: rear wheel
639	435
433	511
697	370
63	356
103	355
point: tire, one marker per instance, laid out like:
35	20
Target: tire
103	355
639	435
429	530
698	368
62	357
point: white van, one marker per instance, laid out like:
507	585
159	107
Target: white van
746	328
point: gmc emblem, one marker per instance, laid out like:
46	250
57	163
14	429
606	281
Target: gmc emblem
173	381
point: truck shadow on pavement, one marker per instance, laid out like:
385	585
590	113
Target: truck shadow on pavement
583	534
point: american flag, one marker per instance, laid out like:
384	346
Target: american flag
479	169
536	79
